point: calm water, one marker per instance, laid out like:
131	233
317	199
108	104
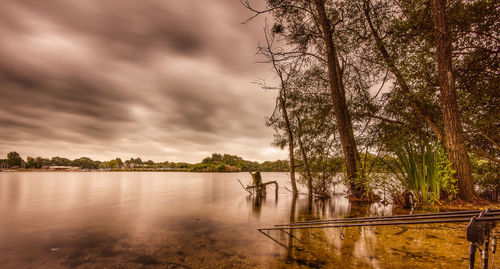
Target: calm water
196	220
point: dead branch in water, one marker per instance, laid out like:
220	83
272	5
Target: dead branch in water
262	187
245	188
257	185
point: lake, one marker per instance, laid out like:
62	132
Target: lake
198	220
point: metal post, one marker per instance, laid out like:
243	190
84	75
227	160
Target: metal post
494	243
472	255
485	252
493	247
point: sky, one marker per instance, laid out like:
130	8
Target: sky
160	80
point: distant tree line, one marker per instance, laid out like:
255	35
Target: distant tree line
215	163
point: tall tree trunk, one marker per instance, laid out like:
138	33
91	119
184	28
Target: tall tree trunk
307	168
343	117
290	143
455	144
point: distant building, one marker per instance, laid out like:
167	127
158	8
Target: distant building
63	168
130	165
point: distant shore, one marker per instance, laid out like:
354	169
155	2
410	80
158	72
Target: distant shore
215	163
118	170
112	170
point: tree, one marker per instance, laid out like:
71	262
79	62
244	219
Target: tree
305	159
390	62
309	40
86	163
58	161
356	45
37	162
454	141
30	162
137	160
117	163
476	42
14	159
42	162
281	111
407	45
216	158
344	124
313	121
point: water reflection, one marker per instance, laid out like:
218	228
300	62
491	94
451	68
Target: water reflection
364	247
257	202
291	237
192	220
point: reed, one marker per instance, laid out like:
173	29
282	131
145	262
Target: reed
418	169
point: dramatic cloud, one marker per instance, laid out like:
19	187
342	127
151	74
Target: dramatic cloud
163	80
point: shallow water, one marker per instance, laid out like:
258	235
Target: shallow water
197	220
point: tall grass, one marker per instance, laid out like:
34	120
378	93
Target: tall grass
418	169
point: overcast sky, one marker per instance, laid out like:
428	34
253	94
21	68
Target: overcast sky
161	80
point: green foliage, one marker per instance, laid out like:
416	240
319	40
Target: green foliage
36	163
408	35
30	162
414	172
232	163
425	170
86	163
14	159
276	166
487	178
323	172
204	167
447	181
58	161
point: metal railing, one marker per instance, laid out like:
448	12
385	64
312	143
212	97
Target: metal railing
481	225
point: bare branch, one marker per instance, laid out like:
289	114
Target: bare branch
246	189
257	12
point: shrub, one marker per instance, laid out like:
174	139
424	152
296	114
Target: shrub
487	179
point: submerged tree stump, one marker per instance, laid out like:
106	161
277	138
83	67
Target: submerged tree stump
258	186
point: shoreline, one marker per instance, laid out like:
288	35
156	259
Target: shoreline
128	170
